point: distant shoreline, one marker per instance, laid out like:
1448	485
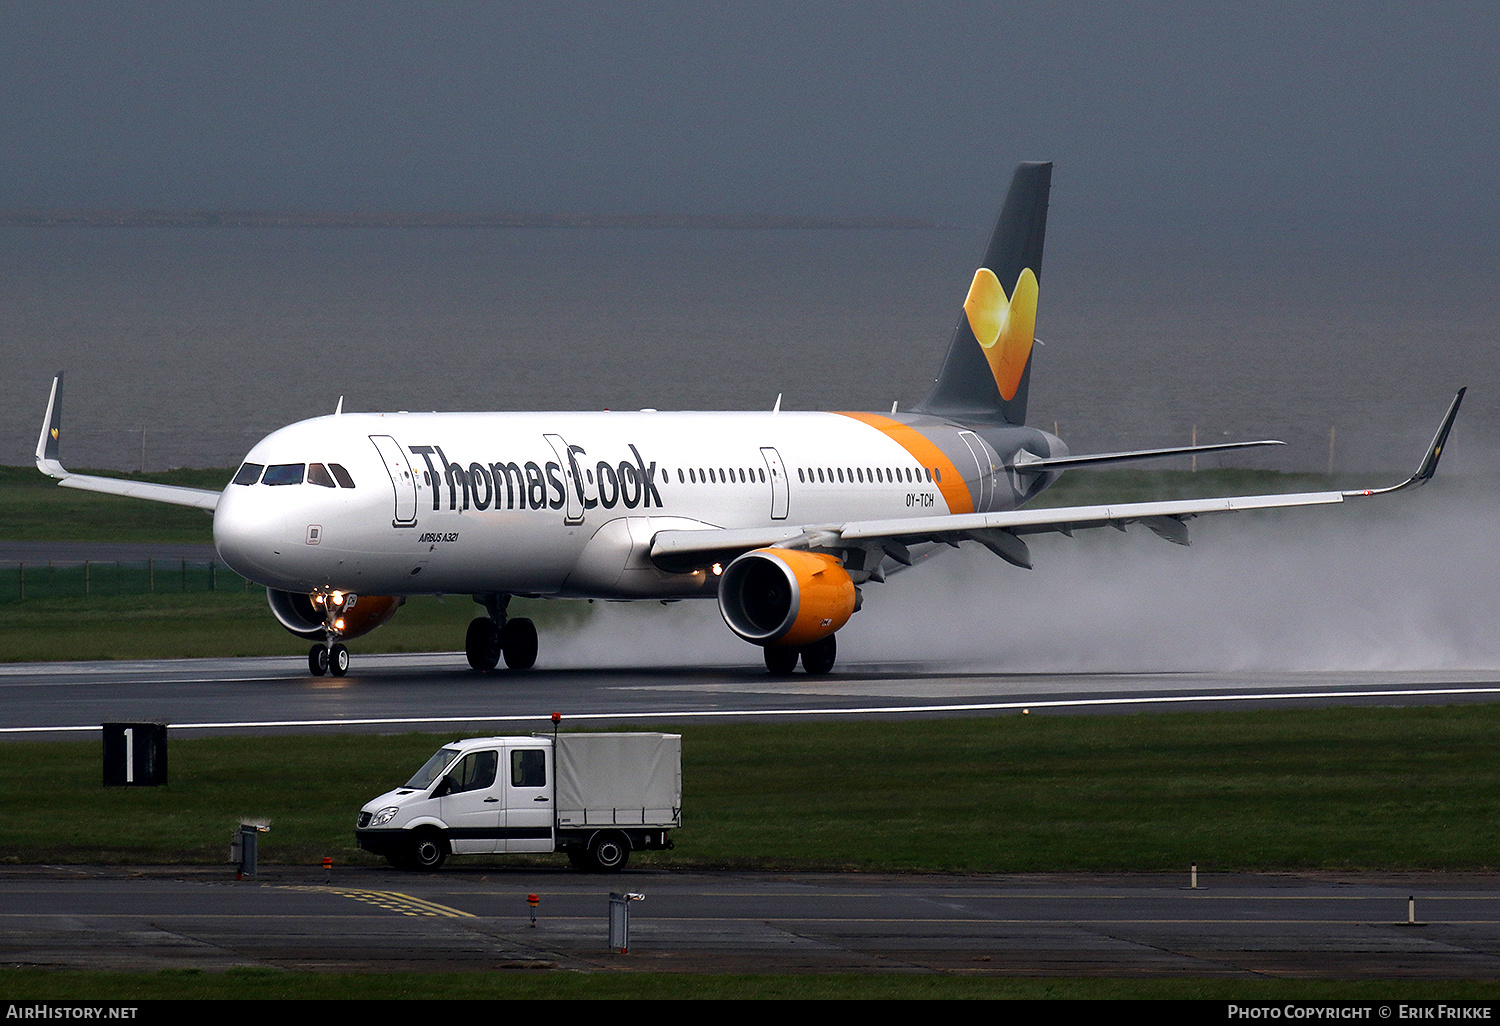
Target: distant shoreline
311	219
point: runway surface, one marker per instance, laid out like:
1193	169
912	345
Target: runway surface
1233	926
438	692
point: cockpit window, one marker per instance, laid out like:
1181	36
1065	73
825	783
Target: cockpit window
283	474
249	474
341	475
318	474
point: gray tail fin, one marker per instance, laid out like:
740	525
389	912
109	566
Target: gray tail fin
987	373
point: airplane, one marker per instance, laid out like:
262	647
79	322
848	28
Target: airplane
783	517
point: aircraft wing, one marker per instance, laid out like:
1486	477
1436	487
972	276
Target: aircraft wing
1002	532
48	463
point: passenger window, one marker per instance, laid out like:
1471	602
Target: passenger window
528	768
318	474
283	474
475	773
249	474
341	475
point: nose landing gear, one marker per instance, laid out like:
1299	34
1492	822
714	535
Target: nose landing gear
492	637
331	656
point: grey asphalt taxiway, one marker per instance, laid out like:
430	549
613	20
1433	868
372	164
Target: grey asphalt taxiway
478	919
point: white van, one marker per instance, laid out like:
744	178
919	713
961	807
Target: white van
597	797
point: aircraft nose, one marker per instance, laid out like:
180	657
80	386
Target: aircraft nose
250	536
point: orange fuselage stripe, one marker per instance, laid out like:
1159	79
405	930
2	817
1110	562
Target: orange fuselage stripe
951	483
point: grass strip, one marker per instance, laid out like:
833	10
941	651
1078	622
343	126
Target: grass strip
228	623
1339	789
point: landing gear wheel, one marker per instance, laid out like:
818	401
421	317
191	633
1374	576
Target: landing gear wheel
338	660
482	644
781	659
317	660
818	657
608	853
427	853
518	643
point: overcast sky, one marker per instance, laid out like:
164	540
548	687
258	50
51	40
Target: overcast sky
1344	114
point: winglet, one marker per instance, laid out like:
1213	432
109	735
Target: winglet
1429	464
47	460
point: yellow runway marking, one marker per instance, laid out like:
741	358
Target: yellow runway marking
393	901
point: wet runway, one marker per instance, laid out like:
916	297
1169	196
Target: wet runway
439	692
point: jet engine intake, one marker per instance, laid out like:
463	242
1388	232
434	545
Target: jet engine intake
304	615
785	596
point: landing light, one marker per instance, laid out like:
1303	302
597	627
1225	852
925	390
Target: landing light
718	569
338	598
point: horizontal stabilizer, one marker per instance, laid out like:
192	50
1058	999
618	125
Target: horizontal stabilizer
1027	462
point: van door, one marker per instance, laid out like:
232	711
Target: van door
471	802
529	815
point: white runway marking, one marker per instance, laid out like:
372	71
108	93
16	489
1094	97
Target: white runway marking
681	714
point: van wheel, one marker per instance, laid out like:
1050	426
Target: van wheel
609	853
427	853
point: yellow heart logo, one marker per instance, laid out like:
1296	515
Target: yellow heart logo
1005	327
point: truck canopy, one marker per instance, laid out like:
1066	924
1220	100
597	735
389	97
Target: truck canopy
618	780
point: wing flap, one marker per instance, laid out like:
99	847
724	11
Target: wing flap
174	494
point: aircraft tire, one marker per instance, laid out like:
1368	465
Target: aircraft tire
338	660
781	660
518	643
482	644
818	658
317	660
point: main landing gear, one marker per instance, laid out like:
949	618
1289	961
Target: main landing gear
492	637
817	658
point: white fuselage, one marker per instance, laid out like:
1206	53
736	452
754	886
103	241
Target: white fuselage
566	504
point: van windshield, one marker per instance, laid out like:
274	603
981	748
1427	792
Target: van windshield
432	769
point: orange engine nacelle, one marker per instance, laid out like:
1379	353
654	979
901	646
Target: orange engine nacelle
785	597
303	614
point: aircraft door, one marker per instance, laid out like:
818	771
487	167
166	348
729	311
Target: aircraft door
573	512
403	481
985	487
780	499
